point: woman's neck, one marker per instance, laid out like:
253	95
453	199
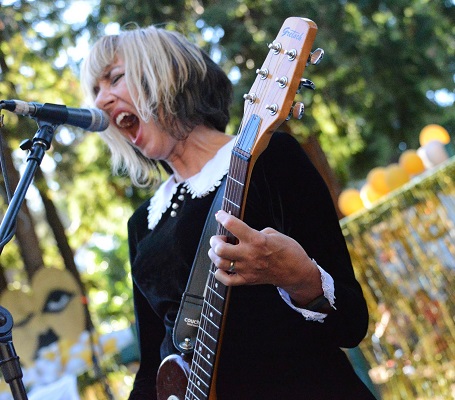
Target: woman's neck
194	152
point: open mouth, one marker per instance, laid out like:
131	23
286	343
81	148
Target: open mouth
126	120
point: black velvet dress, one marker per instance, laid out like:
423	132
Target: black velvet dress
269	351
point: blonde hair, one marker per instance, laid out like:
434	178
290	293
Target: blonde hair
170	80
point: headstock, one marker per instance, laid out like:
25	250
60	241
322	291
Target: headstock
280	78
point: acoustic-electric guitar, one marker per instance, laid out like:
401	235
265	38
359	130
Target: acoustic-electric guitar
267	105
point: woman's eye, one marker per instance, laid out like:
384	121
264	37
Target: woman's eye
116	78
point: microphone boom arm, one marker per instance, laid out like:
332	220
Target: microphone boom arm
41	142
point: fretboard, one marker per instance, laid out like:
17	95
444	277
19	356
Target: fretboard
215	299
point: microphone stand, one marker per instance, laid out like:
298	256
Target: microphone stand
9	361
41	142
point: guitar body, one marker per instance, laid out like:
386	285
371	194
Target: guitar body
172	377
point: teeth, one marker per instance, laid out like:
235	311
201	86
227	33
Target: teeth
125	119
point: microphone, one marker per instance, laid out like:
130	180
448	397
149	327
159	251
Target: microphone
90	119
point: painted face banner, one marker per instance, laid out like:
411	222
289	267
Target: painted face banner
52	311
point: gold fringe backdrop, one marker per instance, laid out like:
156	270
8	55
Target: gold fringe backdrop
403	252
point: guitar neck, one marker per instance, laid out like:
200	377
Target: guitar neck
216	295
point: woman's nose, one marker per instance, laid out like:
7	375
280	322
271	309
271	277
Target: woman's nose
104	98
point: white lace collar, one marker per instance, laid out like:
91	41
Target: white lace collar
198	185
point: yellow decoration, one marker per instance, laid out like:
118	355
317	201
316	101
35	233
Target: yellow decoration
395	176
110	346
376	179
433	132
411	162
368	195
349	201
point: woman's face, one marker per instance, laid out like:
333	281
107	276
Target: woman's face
113	96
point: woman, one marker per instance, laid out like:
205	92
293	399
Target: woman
168	105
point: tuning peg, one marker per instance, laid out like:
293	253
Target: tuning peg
292	54
297	111
315	57
307	84
282	82
273	108
263	73
250	97
275	46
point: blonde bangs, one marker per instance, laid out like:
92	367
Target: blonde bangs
95	65
157	62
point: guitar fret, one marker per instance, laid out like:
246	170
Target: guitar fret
199	389
212	322
230	178
200	380
204	331
231	202
205	359
203	364
214	291
215	304
209	305
207	347
187	395
205	373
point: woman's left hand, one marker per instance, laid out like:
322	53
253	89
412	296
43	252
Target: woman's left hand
263	257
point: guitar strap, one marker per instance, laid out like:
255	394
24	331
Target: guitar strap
188	317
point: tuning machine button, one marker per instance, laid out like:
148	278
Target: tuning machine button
315	57
297	111
307	84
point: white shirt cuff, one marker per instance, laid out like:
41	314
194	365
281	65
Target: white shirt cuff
328	287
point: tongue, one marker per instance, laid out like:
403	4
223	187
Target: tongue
128	121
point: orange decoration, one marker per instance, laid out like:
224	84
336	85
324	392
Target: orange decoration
433	132
376	179
368	195
395	176
411	162
349	201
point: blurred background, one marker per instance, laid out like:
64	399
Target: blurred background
380	128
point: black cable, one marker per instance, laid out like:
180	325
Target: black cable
4	170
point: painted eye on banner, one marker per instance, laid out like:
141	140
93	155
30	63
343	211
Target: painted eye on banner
57	301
